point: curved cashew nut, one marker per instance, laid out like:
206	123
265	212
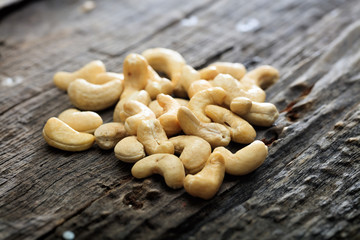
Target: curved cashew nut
86	121
151	134
198	86
214	133
240	105
241	131
105	77
236	70
167	165
263	76
129	150
245	160
88	72
88	96
60	135
158	110
136	112
194	151
169	119
206	183
109	134
136	74
203	98
259	114
188	76
157	84
140	96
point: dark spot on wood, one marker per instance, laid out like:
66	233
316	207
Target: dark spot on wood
153	195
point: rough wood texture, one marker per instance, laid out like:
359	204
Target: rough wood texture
309	186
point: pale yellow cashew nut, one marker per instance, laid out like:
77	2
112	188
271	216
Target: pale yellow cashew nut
158	110
188	76
203	98
85	121
105	77
95	97
129	150
136	112
60	135
109	134
198	86
206	183
157	84
214	133
194	151
245	160
89	72
167	165
263	76
241	131
236	70
169	119
240	105
151	134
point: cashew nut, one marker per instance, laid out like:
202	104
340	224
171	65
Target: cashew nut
194	151
259	114
158	110
241	131
208	73
60	135
86	121
136	74
263	76
157	84
167	165
236	70
89	96
105	77
245	160
129	150
203	98
188	76
206	183
151	134
198	86
136	112
240	105
88	72
169	119
214	133
109	134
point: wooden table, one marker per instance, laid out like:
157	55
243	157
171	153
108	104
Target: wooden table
309	186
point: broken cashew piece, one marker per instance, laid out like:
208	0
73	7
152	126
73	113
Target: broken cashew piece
167	165
168	119
241	131
206	183
194	151
151	134
129	150
136	112
89	72
198	86
203	98
245	160
214	133
109	134
85	121
60	135
105	77
95	97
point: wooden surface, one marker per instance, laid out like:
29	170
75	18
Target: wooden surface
309	186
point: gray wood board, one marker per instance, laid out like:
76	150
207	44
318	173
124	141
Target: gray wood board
307	188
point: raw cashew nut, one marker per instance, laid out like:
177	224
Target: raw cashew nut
188	76
60	135
194	151
206	183
157	84
263	76
88	72
214	133
105	77
109	134
241	131
240	105
198	86
208	73
151	134
136	74
140	96
158	110
259	114
136	112
89	96
86	121
129	150
203	98
167	165
168	119
245	160
236	70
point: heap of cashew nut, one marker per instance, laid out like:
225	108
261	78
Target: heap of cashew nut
160	131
